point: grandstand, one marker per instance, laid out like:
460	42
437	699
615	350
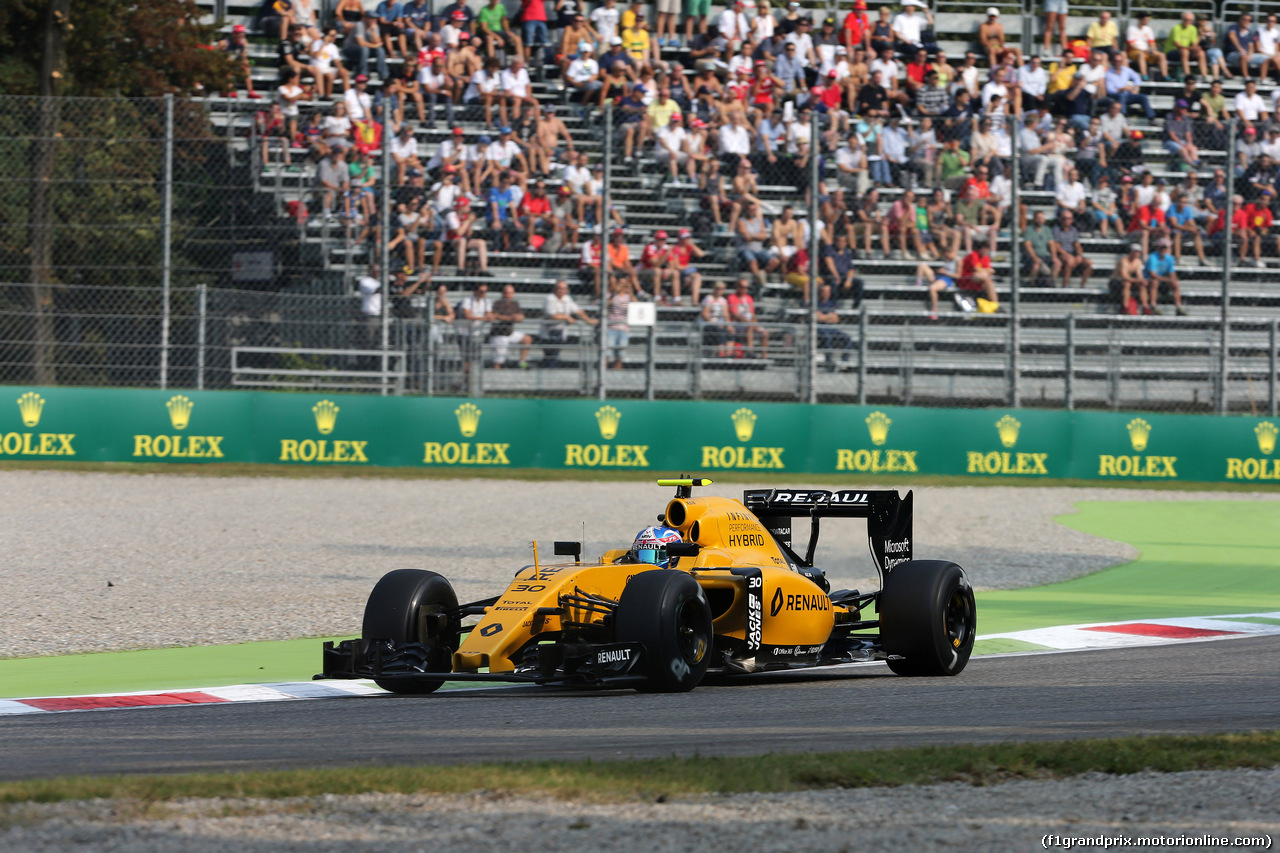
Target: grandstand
1073	344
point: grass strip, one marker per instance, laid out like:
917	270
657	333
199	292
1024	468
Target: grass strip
624	780
248	469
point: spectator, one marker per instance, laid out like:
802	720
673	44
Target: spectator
504	316
544	144
605	19
1179	135
991	39
1126	159
436	86
742	312
976	274
1213	52
237	49
902	222
973	218
477	311
752	235
494	29
1128	275
1102	207
1103	34
839	271
831	339
1261	175
1269	47
1240	44
1039	260
363	41
1161	270
1149	221
655	260
517	94
1183	45
417	22
333	178
683	255
1032	86
714	320
1124	84
277	17
500	209
460	230
1140	40
617	330
1181	218
1055	18
910	30
944	278
1257	216
1249	106
534	15
534	214
583	74
442	315
559	313
370	288
404	152
1068	253
870	223
389	15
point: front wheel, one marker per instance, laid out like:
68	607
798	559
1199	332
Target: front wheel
667	612
928	618
391	613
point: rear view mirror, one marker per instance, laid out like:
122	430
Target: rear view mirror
683	549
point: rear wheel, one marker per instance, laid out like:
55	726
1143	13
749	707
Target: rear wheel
667	612
392	612
928	618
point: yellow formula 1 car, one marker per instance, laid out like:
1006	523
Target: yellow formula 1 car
715	588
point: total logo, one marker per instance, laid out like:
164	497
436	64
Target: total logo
1258	468
30	408
604	455
737	456
877	460
1135	465
325	413
466	452
1005	462
177	445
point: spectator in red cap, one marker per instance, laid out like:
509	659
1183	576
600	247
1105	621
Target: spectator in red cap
742	311
683	255
237	48
670	145
655	260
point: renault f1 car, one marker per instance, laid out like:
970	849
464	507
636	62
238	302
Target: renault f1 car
734	597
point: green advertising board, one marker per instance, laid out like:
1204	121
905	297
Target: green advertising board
122	425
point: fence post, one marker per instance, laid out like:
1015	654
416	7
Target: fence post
202	319
606	199
651	347
384	260
1015	269
166	238
1070	367
1225	321
429	321
862	356
815	175
1271	365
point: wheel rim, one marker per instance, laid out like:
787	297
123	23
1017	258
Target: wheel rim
691	634
958	619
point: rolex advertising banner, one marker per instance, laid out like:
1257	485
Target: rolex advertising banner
122	425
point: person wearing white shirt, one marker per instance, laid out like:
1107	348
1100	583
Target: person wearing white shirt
1249	104
515	90
994	87
735	140
359	102
605	20
670	148
733	24
1071	194
888	68
1269	46
762	25
404	151
804	46
1142	46
583	73
907	26
1033	82
370	293
740	62
1095	74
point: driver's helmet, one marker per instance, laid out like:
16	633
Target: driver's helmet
651	545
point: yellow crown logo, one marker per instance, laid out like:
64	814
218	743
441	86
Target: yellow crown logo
1266	433
1008	427
179	411
1139	432
326	412
30	405
607	417
468	419
878	425
744	423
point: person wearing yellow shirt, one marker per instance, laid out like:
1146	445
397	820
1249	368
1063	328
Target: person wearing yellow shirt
636	41
628	21
1103	34
1061	74
1183	44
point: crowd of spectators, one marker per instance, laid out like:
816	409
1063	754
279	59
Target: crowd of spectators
918	150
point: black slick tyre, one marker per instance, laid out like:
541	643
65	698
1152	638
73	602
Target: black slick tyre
391	613
928	618
667	612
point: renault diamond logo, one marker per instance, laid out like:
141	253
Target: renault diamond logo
744	423
1008	427
326	412
1139	432
608	417
775	603
31	405
179	411
490	630
468	419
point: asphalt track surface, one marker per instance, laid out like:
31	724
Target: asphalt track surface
1222	685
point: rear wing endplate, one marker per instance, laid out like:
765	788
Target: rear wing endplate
888	516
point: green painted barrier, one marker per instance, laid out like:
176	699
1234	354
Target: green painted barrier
120	425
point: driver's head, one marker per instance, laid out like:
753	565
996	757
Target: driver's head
651	546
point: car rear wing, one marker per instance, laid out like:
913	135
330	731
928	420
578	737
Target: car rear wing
887	513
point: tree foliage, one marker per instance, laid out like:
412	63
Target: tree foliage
114	47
